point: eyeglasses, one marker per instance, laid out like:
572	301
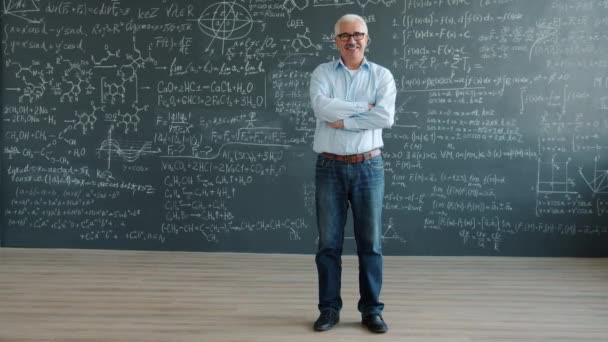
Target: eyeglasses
345	37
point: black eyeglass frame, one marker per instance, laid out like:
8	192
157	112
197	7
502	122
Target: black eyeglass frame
345	37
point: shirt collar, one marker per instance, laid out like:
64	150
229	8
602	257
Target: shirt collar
340	63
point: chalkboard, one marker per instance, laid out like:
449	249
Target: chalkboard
187	125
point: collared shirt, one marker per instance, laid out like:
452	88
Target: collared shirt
337	95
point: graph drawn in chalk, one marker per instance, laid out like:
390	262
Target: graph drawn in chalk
553	177
22	9
225	21
112	147
547	32
407	114
599	181
390	233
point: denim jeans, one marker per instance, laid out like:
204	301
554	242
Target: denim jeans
360	185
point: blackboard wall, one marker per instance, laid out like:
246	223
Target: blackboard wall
186	125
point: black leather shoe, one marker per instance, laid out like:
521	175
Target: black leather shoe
327	319
375	323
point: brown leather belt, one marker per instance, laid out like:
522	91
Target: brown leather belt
352	158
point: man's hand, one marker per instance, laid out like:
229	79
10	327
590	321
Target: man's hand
340	123
336	124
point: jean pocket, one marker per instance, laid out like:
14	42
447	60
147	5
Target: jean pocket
376	163
323	163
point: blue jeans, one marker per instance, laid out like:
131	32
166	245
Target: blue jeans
360	185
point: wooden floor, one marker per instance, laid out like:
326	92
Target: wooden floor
92	295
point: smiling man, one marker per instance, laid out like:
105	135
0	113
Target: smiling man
353	100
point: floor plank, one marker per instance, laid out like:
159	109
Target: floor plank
98	295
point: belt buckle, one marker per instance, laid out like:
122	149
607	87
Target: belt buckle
353	158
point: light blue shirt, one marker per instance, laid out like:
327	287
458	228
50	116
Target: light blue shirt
337	95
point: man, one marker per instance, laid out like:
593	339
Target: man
353	99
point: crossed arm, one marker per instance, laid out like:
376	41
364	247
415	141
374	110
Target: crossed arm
340	123
351	115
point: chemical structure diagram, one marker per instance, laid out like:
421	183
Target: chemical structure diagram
76	79
290	5
130	120
36	78
86	121
115	88
302	41
300	46
65	79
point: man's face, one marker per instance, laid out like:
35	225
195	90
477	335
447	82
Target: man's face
352	50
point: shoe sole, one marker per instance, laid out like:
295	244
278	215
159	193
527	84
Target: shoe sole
325	329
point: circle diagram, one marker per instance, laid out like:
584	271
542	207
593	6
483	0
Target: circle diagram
226	21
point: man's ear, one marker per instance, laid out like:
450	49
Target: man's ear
369	40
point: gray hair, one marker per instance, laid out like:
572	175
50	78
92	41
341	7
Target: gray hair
347	18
